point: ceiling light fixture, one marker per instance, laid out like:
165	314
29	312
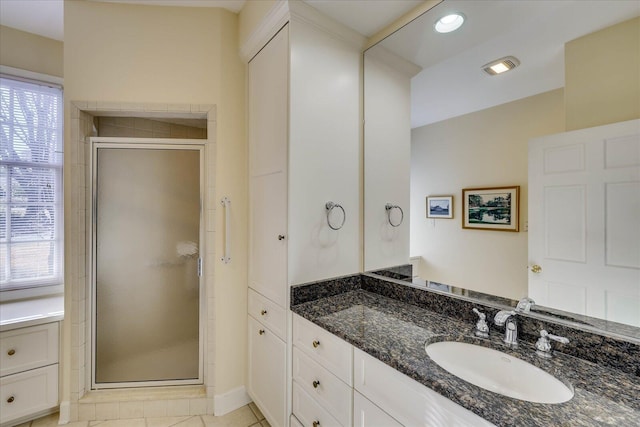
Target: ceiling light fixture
501	65
449	23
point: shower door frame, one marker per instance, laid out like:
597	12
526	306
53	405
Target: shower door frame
95	143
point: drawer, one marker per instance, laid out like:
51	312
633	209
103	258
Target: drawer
333	353
366	414
28	348
405	399
28	392
309	412
268	313
333	394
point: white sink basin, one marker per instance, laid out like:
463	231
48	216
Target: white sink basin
498	372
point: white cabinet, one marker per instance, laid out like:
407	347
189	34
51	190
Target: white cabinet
28	371
267	374
366	414
322	376
406	400
267	298
304	151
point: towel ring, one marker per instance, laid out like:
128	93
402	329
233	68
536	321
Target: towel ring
330	206
389	207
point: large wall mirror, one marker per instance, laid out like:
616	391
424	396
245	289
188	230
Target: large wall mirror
437	123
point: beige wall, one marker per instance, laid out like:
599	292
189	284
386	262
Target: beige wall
30	52
483	149
116	54
610	57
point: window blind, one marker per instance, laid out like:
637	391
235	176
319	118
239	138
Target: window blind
31	160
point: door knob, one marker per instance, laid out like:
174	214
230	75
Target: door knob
535	268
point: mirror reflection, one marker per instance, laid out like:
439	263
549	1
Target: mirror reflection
436	123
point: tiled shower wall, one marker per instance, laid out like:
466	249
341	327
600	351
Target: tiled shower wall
139	127
102	406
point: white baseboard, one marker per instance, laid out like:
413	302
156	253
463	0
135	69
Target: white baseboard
230	401
65	412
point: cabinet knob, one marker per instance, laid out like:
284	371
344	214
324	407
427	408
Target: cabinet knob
316	423
11	399
316	383
315	344
263	312
536	268
280	236
11	352
261	331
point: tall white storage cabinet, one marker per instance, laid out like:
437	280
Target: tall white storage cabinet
268	118
304	151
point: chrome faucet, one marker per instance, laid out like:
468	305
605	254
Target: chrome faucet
507	318
543	345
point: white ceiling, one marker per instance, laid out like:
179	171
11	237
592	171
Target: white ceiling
534	31
45	17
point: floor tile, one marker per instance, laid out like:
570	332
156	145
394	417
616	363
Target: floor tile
165	421
47	421
256	411
240	417
135	422
195	421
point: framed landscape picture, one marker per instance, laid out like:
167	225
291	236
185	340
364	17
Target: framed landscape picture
494	208
440	207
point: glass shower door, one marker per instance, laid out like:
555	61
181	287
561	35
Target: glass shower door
147	287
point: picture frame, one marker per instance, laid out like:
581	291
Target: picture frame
491	208
440	207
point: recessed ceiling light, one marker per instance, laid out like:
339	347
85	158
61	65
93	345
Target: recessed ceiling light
501	65
449	23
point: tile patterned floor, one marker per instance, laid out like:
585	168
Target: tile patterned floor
247	416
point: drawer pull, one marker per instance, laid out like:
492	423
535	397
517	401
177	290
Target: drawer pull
11	399
316	424
263	312
11	352
316	343
261	331
316	383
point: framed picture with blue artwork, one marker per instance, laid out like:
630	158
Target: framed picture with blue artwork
491	208
439	206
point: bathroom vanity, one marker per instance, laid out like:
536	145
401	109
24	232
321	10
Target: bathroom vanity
29	356
379	328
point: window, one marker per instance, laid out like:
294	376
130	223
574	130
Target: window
30	184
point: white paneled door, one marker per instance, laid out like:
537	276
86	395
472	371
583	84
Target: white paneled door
584	221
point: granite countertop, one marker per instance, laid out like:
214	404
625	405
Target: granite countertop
395	332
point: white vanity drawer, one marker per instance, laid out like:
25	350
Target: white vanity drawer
333	394
28	392
28	348
309	412
268	313
406	400
328	350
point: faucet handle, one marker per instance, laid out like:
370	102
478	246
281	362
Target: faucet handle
524	305
482	329
543	346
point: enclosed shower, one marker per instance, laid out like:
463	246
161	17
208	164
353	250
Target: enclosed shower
146	234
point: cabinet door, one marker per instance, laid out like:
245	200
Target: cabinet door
366	414
268	247
268	106
406	400
267	362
